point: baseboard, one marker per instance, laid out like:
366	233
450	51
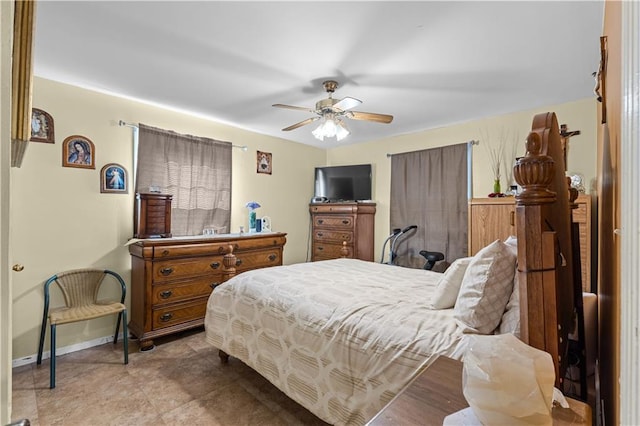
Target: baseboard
64	350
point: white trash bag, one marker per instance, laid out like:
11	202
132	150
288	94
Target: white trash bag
507	382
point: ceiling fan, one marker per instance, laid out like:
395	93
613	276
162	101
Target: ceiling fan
332	111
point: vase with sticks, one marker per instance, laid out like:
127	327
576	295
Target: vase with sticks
509	164
496	150
495	161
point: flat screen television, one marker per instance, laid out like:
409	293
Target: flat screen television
343	183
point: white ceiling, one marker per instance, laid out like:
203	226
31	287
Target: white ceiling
427	63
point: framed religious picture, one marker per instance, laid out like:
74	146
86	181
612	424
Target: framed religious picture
78	151
264	162
41	126
113	178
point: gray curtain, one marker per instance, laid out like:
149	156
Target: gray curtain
195	170
429	189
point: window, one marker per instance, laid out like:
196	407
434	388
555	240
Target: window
196	171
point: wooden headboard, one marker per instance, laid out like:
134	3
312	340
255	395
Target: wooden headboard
545	260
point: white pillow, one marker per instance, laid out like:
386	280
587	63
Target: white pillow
510	322
486	288
446	293
512	243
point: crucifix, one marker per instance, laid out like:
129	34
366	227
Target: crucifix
565	134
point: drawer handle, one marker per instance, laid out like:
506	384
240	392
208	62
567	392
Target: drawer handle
165	252
320	248
166	271
272	257
320	234
320	221
214	285
215	265
166	317
166	294
346	222
512	218
238	262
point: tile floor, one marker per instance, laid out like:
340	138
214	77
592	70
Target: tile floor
181	382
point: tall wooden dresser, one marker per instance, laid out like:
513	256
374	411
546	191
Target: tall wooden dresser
494	218
171	278
335	223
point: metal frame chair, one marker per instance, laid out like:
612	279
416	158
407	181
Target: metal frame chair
80	290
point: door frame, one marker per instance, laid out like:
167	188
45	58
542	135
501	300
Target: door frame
6	299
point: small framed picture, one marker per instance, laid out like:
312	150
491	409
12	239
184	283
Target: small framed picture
113	178
78	151
264	162
41	126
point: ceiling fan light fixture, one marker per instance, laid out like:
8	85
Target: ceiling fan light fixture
342	131
332	112
329	128
319	132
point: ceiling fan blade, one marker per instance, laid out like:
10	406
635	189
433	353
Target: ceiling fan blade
370	116
300	124
294	107
347	103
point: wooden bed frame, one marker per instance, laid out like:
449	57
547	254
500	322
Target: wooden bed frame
544	232
545	244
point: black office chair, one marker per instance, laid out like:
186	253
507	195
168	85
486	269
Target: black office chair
432	257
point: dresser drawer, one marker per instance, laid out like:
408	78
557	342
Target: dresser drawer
184	290
333	221
176	314
191	250
329	251
322	235
258	259
169	270
345	208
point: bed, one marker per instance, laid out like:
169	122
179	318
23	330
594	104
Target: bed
342	337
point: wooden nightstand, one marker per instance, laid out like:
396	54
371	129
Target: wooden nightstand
437	392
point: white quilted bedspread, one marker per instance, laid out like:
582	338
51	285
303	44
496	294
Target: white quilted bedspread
341	337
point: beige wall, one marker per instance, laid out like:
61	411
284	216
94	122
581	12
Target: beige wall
580	115
61	221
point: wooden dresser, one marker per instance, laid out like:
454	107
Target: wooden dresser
171	278
335	223
494	218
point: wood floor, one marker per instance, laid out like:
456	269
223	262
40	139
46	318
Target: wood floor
181	381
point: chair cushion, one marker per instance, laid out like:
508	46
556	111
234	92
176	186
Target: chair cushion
81	313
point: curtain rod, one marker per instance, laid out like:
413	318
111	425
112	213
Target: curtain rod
471	142
135	126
